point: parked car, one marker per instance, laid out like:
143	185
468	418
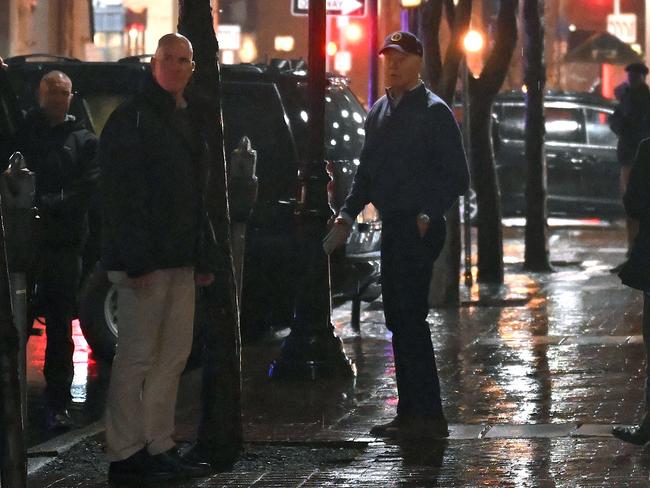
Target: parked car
582	169
266	103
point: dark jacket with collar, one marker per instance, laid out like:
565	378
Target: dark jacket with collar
412	160
630	120
63	159
154	175
636	270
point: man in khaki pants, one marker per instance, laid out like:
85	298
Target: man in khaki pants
157	244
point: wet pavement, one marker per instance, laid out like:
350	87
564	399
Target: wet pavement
534	374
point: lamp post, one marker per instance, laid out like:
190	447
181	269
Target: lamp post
472	43
312	350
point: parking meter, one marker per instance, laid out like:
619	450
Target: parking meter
17	187
242	181
242	189
18	214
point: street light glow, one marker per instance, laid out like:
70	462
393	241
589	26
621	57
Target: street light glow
284	43
331	48
353	32
410	3
473	41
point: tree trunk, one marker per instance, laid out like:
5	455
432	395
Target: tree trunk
482	93
442	80
220	436
536	256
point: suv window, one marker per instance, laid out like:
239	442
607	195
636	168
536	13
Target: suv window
344	120
255	110
598	131
564	124
511	123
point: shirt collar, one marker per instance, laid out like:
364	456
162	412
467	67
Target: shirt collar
394	101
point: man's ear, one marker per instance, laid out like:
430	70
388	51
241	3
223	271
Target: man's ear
193	65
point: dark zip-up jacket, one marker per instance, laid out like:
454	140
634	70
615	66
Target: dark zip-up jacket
63	159
636	270
153	159
631	121
412	160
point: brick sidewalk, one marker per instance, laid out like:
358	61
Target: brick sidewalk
533	374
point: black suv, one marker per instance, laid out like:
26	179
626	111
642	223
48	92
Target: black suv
582	170
266	103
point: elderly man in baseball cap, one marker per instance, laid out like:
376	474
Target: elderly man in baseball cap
412	169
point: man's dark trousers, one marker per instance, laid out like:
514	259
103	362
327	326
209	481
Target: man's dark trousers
58	282
406	267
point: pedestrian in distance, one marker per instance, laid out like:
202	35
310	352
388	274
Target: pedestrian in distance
636	274
62	154
157	244
412	168
631	123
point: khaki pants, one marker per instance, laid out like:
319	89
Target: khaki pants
154	341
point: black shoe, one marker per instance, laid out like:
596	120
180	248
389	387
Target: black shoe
617	269
188	467
58	419
389	429
138	467
423	428
633	435
220	459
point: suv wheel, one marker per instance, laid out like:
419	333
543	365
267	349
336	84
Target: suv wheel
98	314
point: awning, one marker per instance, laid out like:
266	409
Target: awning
601	48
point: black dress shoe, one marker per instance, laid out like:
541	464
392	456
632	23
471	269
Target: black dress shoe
190	468
141	466
58	419
389	429
634	435
423	428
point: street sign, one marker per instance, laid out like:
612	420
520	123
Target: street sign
229	37
353	8
622	26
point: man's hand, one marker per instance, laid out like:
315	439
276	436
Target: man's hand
2	64
423	224
423	227
337	236
204	279
144	281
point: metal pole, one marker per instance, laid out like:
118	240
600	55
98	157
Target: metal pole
312	350
617	6
468	150
372	55
13	455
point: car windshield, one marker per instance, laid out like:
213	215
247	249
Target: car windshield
344	120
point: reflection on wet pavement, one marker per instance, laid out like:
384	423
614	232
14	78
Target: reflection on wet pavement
533	373
88	384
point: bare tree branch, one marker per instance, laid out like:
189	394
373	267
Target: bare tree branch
454	54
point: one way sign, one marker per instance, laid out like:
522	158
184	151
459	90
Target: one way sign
353	8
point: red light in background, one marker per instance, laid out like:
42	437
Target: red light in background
353	32
332	48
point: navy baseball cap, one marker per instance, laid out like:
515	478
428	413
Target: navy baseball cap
640	68
404	42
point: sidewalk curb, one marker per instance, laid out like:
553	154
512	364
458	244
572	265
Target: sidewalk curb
43	454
